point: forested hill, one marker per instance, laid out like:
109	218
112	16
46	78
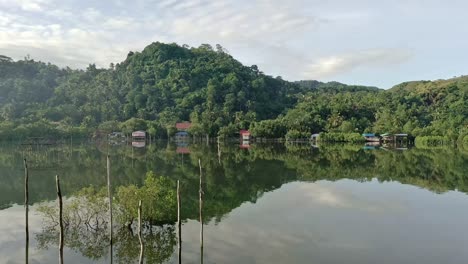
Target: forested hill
333	87
168	83
164	83
421	108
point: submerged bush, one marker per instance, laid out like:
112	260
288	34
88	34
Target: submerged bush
158	196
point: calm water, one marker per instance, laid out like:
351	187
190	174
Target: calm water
265	204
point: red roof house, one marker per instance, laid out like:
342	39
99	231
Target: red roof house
183	126
244	132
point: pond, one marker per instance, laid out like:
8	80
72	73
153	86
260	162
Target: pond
262	203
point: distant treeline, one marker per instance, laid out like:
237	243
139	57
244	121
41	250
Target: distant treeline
167	83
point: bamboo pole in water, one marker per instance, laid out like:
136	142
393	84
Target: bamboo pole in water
110	208
26	207
60	204
201	213
142	248
179	224
219	152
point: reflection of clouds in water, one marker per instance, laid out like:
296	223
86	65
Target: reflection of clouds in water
297	221
284	226
251	241
12	230
12	239
333	195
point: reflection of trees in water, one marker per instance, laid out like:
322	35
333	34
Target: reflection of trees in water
242	175
86	223
93	243
159	244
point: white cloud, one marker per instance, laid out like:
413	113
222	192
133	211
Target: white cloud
98	36
223	20
295	39
91	15
339	64
4	20
26	5
119	23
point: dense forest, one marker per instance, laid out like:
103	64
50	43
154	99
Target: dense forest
167	83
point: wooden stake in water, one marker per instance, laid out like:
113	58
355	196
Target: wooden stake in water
142	248
109	192
26	207
179	223
201	213
60	204
219	152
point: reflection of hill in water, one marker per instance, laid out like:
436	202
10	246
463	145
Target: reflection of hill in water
237	176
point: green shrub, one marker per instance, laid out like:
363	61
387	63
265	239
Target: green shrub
341	137
295	134
268	129
432	141
465	140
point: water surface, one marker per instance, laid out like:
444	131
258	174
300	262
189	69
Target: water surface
264	204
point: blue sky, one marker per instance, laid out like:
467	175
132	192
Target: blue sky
379	43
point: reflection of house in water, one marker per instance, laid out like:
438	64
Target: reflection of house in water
138	144
245	135
139	136
182	147
371	145
399	141
182	137
182	150
395	138
371	137
314	137
116	138
245	145
182	134
245	138
139	139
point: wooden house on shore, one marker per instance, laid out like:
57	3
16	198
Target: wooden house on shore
389	137
398	139
245	135
182	131
139	136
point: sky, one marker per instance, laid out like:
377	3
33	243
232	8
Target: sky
379	43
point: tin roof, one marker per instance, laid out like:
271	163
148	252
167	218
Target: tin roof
139	134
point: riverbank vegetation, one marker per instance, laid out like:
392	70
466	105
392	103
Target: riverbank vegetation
432	141
341	137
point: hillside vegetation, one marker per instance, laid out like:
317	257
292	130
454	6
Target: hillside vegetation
168	83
